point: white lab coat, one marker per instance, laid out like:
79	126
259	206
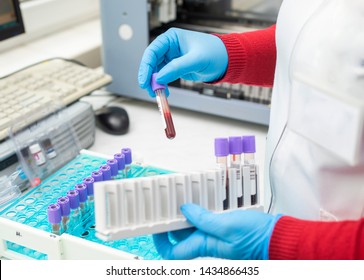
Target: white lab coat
315	145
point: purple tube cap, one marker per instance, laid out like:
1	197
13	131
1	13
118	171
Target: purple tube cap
74	198
82	191
64	203
127	153
54	213
248	144
154	84
221	147
235	145
89	182
106	172
97	175
113	163
121	160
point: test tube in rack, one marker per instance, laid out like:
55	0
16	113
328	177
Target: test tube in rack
249	161
82	193
163	107
120	158
235	150
221	154
54	218
89	182
75	215
113	163
64	203
128	160
106	172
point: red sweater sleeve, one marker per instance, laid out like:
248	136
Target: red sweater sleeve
252	57
302	240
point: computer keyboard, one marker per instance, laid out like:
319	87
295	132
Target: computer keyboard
25	93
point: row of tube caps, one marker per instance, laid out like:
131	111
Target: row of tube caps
72	209
238	152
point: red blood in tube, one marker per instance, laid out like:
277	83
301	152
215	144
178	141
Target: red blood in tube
170	132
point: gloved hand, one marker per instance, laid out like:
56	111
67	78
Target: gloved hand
239	234
179	53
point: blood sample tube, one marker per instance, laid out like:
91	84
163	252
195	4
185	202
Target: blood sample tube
89	182
128	160
75	214
97	175
64	203
54	218
113	163
106	172
249	160
236	149
163	107
120	157
222	153
82	192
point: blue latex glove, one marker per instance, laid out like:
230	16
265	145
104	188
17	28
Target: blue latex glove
180	53
239	234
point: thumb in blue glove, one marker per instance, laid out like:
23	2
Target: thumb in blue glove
180	53
239	234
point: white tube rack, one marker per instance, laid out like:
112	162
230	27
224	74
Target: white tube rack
147	205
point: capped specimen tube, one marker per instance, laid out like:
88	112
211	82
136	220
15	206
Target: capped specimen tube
163	107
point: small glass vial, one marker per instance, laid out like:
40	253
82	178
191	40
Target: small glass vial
37	154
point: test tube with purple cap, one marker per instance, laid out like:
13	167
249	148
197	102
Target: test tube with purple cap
249	160
54	218
106	172
82	193
221	154
163	107
89	182
128	160
113	164
235	150
64	203
75	214
120	158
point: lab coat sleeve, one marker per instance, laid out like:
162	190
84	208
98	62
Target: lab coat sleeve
314	240
252	57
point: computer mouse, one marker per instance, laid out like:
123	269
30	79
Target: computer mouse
112	119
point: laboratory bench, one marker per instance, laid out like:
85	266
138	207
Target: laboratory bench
191	150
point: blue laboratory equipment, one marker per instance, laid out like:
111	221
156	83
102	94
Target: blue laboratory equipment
31	208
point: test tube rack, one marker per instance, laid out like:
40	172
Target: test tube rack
139	206
25	232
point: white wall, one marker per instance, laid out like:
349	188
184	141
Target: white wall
44	17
